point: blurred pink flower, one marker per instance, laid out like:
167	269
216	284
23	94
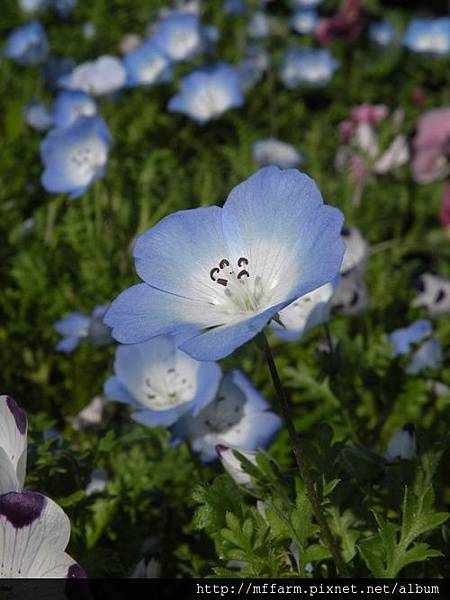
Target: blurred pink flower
346	130
432	146
346	23
445	207
369	113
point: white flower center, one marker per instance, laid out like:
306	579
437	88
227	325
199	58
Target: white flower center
225	412
168	390
241	290
87	159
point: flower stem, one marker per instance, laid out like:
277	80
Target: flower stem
302	466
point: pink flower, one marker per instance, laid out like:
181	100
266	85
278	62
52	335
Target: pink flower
445	207
369	113
432	146
346	23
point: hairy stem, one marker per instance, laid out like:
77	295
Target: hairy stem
302	466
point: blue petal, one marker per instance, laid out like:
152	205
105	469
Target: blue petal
75	324
115	390
67	344
157	418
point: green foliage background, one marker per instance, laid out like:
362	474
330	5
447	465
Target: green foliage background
78	254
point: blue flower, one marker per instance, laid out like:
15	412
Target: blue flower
76	156
307	66
259	26
27	45
220	274
104	75
32	6
304	20
428	36
77	327
37	116
207	93
234	7
179	36
253	66
275	152
419	333
63	7
237	417
162	382
70	105
381	33
147	65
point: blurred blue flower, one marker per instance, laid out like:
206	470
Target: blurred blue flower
420	333
207	93
27	45
304	20
381	33
147	65
161	382
259	26
253	66
179	36
271	151
77	327
89	30
104	75
37	116
220	274
307	66
70	105
32	6
237	417
75	156
305	3
234	7
428	36
63	7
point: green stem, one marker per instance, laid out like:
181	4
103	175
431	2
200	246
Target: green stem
302	466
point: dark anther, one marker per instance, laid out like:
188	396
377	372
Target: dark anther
242	261
242	273
151	396
171	370
224	263
223	282
440	296
213	272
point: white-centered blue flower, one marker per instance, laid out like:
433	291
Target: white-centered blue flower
147	65
207	93
13	446
271	151
428	36
161	382
37	116
402	444
99	77
77	327
219	275
307	66
179	36
238	417
303	314
381	33
434	294
75	156
27	45
70	105
419	334
304	20
34	533
253	66
259	25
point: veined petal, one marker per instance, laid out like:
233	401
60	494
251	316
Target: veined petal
178	253
13	440
34	533
143	312
277	221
